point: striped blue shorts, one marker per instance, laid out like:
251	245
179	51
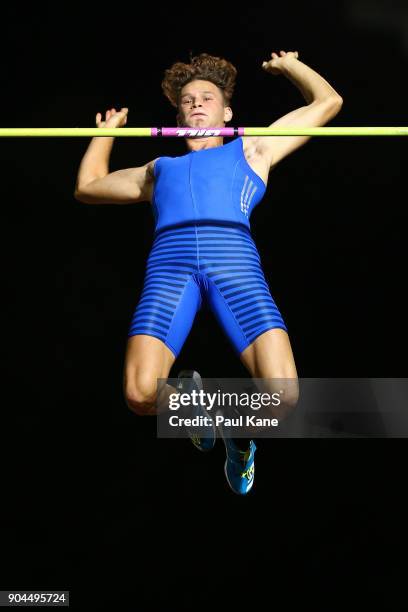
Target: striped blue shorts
214	264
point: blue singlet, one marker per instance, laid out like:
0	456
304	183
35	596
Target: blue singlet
203	250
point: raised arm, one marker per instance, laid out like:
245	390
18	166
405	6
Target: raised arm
95	185
323	104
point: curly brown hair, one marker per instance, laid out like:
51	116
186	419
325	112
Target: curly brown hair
204	66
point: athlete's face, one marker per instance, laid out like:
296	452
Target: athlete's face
201	104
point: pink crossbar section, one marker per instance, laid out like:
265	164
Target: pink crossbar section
185	132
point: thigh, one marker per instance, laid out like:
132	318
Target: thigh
269	360
270	355
166	315
147	358
171	296
242	303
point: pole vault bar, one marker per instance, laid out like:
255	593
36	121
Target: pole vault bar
184	132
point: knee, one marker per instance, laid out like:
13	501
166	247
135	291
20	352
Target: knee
287	390
290	395
141	396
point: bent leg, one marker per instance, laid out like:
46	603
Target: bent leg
162	319
147	359
153	346
240	298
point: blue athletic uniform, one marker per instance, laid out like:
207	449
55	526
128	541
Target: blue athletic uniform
203	251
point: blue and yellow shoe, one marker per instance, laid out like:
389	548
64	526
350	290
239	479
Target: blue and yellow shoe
203	436
240	467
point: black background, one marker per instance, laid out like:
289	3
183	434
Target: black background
92	500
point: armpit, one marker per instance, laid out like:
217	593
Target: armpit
150	170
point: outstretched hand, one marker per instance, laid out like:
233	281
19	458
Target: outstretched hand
276	64
113	118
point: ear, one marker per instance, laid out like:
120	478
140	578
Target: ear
228	114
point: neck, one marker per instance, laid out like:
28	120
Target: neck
197	144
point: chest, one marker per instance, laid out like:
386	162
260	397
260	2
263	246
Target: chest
256	162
